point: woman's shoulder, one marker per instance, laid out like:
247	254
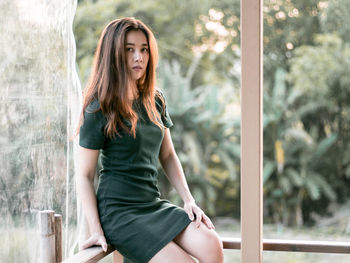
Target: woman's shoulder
160	98
92	128
93	111
93	106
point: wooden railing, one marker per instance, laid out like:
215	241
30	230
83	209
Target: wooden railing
51	244
50	228
294	245
93	254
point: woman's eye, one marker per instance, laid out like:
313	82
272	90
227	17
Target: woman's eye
129	49
145	50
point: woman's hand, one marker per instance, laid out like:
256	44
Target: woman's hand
195	213
96	239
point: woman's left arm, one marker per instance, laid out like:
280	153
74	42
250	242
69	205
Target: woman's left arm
173	169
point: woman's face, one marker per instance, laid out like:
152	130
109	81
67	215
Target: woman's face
137	53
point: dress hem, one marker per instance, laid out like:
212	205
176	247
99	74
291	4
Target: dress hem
152	252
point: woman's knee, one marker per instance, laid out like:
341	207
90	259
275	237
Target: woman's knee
202	243
213	247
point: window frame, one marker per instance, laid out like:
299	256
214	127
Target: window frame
252	243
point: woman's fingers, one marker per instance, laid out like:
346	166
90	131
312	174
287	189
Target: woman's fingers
194	212
88	243
199	215
102	242
190	214
95	240
208	222
189	210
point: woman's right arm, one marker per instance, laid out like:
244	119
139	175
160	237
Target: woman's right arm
87	162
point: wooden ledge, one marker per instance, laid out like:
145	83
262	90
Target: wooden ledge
93	254
89	255
294	245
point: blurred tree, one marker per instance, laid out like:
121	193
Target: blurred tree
306	116
205	139
336	18
192	28
173	30
290	156
287	25
306	142
321	73
187	36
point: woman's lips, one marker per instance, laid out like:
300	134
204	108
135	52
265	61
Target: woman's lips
137	68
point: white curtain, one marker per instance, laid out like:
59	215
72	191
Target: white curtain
40	99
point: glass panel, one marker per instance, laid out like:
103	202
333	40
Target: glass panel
306	120
37	83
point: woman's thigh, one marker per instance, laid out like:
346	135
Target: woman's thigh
202	243
171	253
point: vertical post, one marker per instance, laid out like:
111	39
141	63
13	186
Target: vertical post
251	131
47	236
58	238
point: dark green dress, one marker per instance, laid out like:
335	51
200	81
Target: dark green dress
135	220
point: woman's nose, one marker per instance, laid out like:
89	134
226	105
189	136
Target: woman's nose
137	56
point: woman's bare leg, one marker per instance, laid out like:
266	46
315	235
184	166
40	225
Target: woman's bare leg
202	243
171	253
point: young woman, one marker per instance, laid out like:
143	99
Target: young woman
125	119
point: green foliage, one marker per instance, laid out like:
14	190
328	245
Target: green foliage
291	152
306	108
313	65
336	19
173	30
202	138
333	96
306	101
287	25
182	34
306	95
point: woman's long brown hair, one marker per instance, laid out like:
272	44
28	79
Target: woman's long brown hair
109	80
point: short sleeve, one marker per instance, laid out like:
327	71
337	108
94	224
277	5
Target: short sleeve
91	133
167	122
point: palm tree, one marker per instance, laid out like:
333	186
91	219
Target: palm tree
290	155
206	140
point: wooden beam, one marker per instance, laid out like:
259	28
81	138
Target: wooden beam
231	243
89	255
58	238
307	246
294	245
47	236
251	131
93	254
